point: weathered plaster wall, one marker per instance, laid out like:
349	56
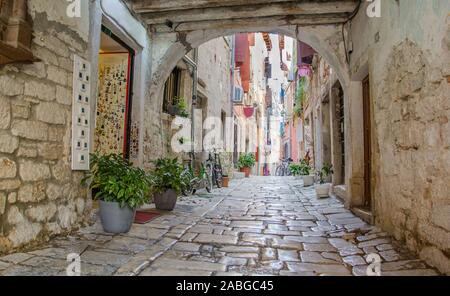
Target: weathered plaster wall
39	194
407	54
214	69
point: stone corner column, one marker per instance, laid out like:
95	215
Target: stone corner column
18	32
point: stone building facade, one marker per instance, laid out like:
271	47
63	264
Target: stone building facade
40	195
406	54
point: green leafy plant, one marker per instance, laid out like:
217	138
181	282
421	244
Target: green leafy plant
295	169
168	174
301	97
327	170
298	111
246	160
305	168
114	179
182	107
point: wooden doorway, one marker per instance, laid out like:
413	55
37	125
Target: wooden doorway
367	145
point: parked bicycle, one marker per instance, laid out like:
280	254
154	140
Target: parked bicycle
283	169
194	182
216	166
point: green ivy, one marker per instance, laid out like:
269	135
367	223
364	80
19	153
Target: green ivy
301	96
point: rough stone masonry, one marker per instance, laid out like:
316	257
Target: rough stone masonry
39	194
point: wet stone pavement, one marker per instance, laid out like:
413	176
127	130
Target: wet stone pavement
259	226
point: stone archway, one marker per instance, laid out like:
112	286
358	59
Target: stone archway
169	48
327	40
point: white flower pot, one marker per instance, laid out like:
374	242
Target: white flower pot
323	190
308	180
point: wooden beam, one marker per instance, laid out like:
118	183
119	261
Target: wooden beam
301	20
142	6
261	10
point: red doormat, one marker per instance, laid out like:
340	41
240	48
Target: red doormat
143	217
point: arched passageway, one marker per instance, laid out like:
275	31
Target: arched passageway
169	48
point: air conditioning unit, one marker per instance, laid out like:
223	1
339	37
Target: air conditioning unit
238	97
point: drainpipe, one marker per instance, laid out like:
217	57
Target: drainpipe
194	66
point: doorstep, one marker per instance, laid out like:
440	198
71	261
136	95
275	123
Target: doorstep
365	214
340	191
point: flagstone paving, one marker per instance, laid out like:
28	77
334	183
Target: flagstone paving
258	226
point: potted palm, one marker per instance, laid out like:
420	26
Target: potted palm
323	189
246	162
120	189
167	181
305	172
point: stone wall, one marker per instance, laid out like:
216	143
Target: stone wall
214	59
39	194
407	55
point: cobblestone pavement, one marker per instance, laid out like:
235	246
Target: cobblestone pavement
260	226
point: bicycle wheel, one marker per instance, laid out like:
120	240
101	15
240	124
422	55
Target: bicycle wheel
218	176
188	190
279	171
209	178
288	172
188	177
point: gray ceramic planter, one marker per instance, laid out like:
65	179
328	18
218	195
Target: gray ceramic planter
116	219
166	201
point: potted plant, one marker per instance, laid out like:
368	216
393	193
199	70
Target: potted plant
172	109
182	108
178	108
305	172
120	188
167	183
246	162
225	181
323	189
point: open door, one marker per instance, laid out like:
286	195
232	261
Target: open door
367	145
113	118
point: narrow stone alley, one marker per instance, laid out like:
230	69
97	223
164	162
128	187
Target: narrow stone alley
330	121
259	226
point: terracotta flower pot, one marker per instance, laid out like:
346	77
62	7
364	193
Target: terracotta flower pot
247	172
226	182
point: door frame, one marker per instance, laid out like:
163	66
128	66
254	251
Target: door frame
129	95
367	128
